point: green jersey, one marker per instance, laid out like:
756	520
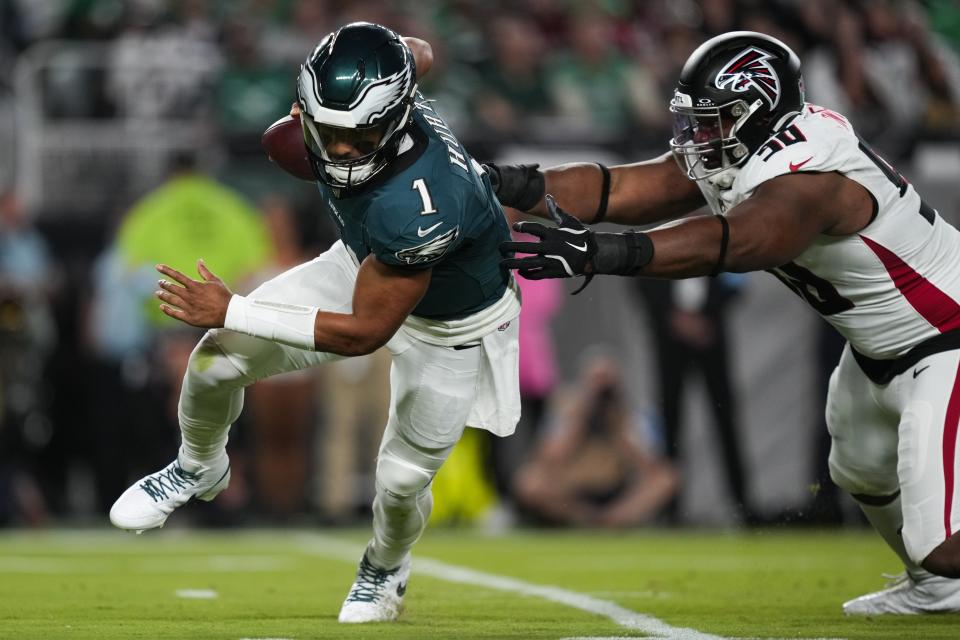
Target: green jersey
432	207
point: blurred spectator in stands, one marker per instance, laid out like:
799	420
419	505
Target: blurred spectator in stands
945	20
513	84
26	269
451	81
664	56
141	353
252	92
592	467
27	335
287	43
719	16
595	85
281	408
689	327
162	68
383	12
892	73
14	37
942	113
822	76
552	18
355	401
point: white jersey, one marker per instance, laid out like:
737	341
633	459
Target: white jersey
887	287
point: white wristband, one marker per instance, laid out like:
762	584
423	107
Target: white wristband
289	324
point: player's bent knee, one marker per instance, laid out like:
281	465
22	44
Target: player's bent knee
840	478
944	560
399	477
209	366
863	487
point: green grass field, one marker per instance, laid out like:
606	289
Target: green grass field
289	584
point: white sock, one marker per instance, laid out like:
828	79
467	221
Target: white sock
398	522
888	521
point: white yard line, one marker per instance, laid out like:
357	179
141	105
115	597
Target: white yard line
196	594
344	550
335	548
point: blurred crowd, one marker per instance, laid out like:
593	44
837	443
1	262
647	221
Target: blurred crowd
504	71
89	370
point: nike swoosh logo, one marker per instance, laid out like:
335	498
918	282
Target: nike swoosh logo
401	589
794	167
579	248
917	372
424	232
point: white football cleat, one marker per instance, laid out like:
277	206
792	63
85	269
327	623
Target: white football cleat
148	502
928	594
377	594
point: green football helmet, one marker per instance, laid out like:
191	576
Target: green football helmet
356	93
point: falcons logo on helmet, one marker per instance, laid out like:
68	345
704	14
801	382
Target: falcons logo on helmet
750	68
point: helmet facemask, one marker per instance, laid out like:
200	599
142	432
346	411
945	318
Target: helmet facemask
356	92
708	140
347	157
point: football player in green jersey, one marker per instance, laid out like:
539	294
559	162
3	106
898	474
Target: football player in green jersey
416	269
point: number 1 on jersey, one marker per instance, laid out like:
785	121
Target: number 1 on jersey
420	185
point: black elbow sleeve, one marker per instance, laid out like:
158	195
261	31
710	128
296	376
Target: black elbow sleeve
519	186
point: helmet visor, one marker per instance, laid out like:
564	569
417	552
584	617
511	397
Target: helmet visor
704	138
341	144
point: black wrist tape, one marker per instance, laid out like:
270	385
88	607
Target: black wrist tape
604	194
623	254
519	186
533	190
724	240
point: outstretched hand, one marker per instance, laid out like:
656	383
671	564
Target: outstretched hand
563	251
201	303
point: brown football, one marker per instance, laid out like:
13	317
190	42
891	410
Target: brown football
283	142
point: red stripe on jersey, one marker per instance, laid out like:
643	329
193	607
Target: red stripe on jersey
934	305
949	451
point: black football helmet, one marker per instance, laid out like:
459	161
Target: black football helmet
355	89
735	91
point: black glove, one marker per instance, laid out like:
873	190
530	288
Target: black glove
571	249
562	252
517	185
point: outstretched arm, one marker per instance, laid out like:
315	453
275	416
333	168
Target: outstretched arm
767	230
639	193
383	297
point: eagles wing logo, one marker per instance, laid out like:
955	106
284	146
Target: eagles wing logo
430	250
750	69
387	92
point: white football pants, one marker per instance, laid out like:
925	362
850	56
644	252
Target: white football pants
433	389
900	437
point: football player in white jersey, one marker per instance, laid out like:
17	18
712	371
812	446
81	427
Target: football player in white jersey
793	190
